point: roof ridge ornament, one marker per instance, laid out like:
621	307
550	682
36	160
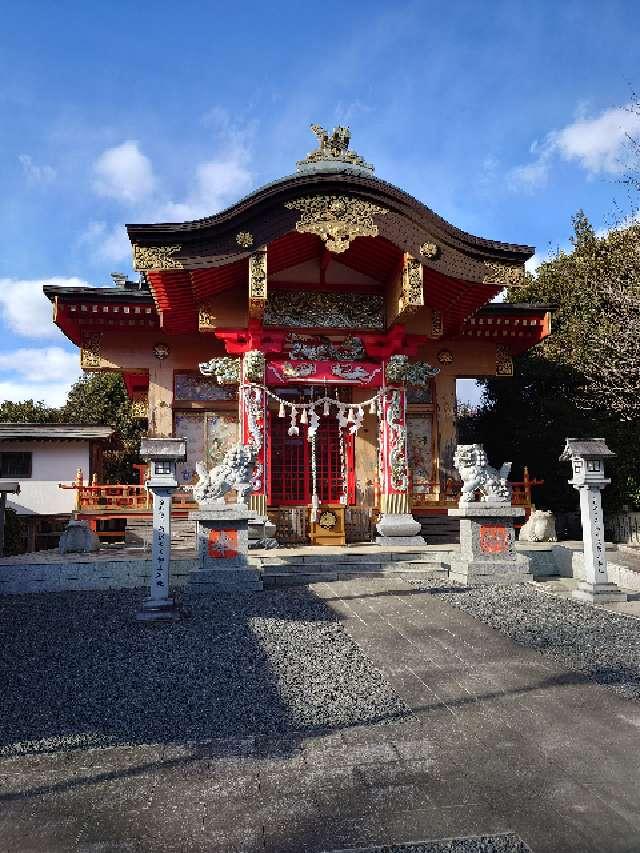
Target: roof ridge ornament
332	151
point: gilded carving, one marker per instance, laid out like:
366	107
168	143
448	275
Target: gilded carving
90	350
412	296
139	408
244	239
337	220
504	361
316	309
257	283
156	258
333	148
429	250
506	275
437	324
206	318
445	356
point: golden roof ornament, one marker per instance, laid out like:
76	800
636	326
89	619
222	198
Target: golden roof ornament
332	151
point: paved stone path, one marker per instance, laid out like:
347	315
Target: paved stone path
501	739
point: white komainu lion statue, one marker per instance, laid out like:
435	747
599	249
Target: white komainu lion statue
539	527
477	475
234	472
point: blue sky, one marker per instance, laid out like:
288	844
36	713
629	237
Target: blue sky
504	117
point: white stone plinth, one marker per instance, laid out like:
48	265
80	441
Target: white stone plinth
398	529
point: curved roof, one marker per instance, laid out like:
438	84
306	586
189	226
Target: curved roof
407	223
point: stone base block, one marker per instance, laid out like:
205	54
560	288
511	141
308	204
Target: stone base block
474	572
398	529
227	580
400	540
158	610
78	538
598	593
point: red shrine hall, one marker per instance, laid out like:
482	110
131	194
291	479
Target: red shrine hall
324	318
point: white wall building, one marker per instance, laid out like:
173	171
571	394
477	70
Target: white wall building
42	456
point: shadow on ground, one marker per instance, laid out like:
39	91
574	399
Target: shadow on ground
78	671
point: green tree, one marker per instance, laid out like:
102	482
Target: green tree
28	412
584	379
101	399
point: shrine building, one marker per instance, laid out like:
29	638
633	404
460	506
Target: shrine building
324	317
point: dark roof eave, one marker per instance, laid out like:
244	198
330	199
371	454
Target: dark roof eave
98	294
517	308
290	187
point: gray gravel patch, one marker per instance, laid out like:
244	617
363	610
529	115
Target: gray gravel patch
76	670
507	842
603	645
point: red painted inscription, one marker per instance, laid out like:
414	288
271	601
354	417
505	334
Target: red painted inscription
223	544
494	538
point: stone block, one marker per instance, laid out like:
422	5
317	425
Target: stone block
470	572
598	593
78	538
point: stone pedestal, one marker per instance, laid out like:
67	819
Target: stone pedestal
398	529
222	534
262	532
599	593
487	545
78	538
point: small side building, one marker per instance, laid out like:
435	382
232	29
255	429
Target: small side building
41	457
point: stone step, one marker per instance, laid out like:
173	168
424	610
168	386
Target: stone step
378	557
273	579
329	566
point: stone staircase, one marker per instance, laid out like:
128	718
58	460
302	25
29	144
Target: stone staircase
299	569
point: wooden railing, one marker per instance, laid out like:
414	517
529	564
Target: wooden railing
426	494
119	497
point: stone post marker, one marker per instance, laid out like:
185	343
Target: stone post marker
162	454
6	487
587	457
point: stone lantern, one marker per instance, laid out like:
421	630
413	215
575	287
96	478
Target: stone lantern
587	457
162	455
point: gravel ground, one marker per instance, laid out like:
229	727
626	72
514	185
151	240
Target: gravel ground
76	670
603	645
505	843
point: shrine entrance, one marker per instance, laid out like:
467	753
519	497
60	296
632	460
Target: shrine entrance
290	467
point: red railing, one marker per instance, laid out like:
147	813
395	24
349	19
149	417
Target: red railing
427	494
119	497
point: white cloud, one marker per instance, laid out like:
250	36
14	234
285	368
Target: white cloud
25	309
217	184
530	176
40	365
124	173
597	144
35	174
51	393
107	244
